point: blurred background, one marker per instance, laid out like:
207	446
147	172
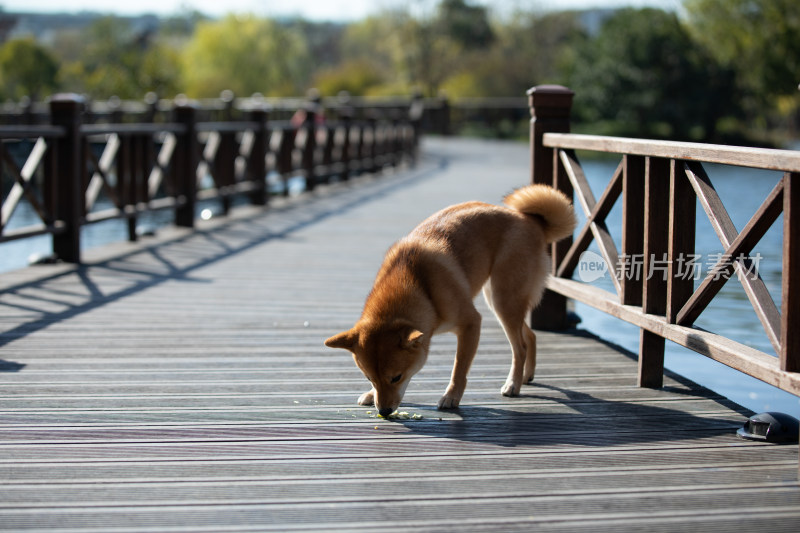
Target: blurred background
698	70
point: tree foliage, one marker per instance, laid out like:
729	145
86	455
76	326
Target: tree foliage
759	40
722	68
245	54
26	69
528	51
466	25
643	75
112	59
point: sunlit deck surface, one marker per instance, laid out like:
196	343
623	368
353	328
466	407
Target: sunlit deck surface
181	384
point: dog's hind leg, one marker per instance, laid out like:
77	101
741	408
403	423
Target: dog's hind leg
519	351
510	307
530	359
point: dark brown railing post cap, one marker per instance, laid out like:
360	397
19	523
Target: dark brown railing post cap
550	96
257	104
184	102
67	100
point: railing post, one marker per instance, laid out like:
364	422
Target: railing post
415	113
550	107
186	160
66	110
682	229
444	116
372	147
224	166
790	290
258	156
151	107
393	141
655	268
310	126
632	258
346	115
126	165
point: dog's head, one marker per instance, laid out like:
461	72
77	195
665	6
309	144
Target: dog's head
388	355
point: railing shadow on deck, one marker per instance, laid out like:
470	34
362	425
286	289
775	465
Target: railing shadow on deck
249	230
659	184
624	423
591	422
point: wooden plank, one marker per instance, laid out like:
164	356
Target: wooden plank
682	228
789	352
734	244
726	351
22	179
180	382
632	257
550	108
655	268
30	132
770	159
595	213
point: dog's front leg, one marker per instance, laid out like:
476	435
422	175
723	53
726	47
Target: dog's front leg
468	337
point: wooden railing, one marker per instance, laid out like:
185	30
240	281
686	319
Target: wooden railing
67	169
659	185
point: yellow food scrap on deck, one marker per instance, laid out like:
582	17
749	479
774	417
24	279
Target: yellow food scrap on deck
400	415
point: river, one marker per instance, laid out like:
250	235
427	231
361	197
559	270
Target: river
742	191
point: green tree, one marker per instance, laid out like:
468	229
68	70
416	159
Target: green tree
410	50
466	24
111	59
159	71
528	50
643	75
374	44
27	69
245	54
428	57
757	39
357	77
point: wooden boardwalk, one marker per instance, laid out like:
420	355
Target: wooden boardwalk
181	384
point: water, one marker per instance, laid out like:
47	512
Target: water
20	253
730	314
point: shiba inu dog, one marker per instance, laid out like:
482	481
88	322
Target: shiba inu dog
428	282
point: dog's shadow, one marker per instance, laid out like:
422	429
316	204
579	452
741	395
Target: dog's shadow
586	421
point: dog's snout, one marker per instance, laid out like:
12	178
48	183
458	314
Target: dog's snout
386	411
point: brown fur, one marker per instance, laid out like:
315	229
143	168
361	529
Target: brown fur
428	282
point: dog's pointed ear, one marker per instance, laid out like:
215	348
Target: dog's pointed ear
346	340
413	339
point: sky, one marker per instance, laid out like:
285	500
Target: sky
337	10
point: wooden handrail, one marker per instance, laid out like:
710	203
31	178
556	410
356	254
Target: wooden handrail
766	158
27	132
143	167
659	184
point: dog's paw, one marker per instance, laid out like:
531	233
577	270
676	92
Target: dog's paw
510	389
368	398
448	402
527	379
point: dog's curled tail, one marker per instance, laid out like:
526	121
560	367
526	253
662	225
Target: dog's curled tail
550	204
